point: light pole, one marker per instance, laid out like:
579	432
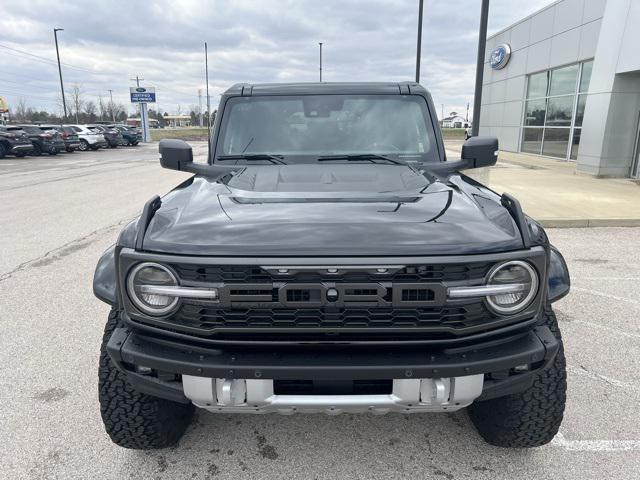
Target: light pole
419	46
64	102
113	113
320	43
482	45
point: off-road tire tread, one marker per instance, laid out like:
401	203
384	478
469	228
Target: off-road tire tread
131	418
531	418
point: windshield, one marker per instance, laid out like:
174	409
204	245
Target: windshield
314	126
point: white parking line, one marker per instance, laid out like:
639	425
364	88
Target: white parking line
607	295
608	329
595	445
597	376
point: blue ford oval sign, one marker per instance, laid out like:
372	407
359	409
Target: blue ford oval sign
500	56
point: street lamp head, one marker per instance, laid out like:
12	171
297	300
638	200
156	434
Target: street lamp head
58	29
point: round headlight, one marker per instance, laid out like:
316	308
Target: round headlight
512	273
140	283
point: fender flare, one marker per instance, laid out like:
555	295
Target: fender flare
105	284
559	282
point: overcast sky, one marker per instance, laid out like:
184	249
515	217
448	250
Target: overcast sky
105	43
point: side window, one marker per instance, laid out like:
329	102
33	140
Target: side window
77	129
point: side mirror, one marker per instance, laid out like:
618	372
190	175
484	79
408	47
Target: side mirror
175	154
480	152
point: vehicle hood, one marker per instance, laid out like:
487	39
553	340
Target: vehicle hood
331	210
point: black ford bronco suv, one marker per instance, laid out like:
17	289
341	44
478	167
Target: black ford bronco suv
329	258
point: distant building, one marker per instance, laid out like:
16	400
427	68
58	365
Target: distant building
177	120
4	111
454	121
135	122
564	82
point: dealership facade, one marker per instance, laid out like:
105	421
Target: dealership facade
565	83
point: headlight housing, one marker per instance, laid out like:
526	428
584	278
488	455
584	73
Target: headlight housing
149	274
514	272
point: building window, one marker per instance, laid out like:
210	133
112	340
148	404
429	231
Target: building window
554	110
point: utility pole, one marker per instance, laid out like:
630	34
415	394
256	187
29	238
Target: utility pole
64	101
466	118
482	45
113	113
419	46
206	72
200	105
441	111
320	43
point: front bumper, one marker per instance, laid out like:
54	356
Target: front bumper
212	377
95	140
21	148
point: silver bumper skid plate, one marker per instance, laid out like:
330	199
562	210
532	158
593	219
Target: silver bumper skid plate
407	396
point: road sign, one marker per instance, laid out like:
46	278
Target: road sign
143	94
4	106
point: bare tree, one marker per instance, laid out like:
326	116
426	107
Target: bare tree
77	101
21	110
102	108
90	110
115	109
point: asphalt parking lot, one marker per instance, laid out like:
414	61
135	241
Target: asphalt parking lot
57	215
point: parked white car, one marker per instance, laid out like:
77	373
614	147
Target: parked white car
90	137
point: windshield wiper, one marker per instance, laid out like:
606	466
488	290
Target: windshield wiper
254	156
359	157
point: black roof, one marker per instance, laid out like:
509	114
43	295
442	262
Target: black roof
372	88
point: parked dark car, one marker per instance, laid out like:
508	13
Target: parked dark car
44	139
14	141
111	135
130	136
329	257
69	137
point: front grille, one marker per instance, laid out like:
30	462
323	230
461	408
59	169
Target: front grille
207	319
410	273
331	304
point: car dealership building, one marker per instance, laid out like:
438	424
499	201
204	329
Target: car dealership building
565	83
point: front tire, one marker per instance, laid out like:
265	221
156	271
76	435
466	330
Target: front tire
84	145
530	418
131	418
3	150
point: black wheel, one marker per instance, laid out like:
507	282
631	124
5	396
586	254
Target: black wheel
135	143
3	150
94	147
53	151
37	150
530	418
71	150
84	145
131	418
21	155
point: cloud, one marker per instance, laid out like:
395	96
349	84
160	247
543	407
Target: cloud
105	44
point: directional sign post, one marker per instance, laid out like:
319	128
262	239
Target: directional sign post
143	95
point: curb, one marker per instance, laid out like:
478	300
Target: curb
588	222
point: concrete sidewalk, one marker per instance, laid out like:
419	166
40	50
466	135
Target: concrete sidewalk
552	192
